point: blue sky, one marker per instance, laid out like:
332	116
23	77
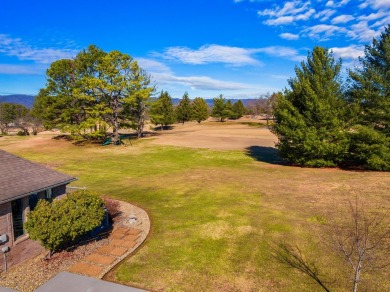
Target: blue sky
239	48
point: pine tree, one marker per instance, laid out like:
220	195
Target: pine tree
140	100
238	109
161	111
228	110
310	117
199	110
184	110
219	108
87	94
370	92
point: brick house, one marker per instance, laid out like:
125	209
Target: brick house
22	184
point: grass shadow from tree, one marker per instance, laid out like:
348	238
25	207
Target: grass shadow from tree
265	154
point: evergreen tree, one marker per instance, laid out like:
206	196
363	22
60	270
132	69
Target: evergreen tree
219	108
184	110
140	100
161	111
370	92
228	110
238	109
87	94
199	110
310	117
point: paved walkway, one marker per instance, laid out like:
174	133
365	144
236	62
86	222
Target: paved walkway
131	229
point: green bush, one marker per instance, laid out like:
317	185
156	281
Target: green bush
60	223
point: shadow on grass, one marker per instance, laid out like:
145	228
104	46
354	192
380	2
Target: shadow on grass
165	128
265	154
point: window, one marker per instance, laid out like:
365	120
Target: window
17	218
33	201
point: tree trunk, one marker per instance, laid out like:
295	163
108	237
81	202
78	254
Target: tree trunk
357	276
115	134
140	126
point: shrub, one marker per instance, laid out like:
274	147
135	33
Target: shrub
58	224
112	207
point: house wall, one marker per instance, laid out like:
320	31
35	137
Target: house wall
6	223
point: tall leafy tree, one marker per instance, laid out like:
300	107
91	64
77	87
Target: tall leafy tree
184	109
67	102
370	92
111	88
310	117
87	94
199	110
161	111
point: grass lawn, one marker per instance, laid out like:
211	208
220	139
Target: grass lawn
214	213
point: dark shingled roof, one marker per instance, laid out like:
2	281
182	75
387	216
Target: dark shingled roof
20	177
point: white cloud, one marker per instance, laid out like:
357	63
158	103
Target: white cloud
342	19
152	65
306	15
373	16
324	18
198	82
12	69
280	20
381	23
211	54
336	3
229	55
375	4
290	12
15	47
323	31
283	52
361	31
350	52
289	36
325	14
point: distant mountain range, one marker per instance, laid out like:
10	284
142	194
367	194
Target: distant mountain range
209	101
28	100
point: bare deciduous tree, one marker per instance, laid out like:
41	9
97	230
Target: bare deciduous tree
363	240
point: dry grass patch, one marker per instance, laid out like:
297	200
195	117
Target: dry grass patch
215	212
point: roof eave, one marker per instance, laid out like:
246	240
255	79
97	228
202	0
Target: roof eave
38	190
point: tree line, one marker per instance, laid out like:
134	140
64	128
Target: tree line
97	91
322	121
18	116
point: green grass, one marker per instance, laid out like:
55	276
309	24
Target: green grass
214	213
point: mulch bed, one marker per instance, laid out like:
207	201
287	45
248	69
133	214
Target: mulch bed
32	273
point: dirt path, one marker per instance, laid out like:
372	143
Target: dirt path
216	135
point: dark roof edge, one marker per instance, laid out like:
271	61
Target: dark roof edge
39	190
